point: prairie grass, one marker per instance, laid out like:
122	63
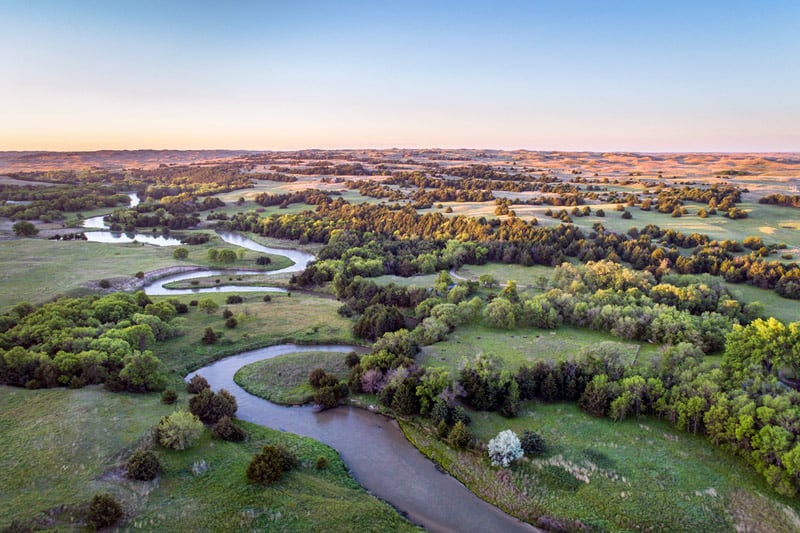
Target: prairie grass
284	379
61	446
636	475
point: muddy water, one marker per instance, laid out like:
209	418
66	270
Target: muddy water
375	450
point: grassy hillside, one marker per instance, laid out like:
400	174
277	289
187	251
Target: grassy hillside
61	446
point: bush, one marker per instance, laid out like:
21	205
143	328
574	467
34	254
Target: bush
322	463
225	429
316	376
234	299
263	260
267	298
210	407
460	435
532	443
197	384
227	313
142	465
104	511
325	397
352	359
104	284
169	396
23	228
179	431
504	448
180	253
140	275
209	336
269	465
231	323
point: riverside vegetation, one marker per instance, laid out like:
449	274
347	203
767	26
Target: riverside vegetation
616	348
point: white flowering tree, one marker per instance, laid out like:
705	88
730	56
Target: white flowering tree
505	448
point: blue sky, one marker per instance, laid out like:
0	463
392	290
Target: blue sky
570	75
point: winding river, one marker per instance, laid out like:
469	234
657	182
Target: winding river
372	445
300	259
374	448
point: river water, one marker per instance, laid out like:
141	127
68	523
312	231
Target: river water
375	450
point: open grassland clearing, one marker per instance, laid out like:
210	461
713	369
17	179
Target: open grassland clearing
522	346
627	476
62	446
297	318
526	276
284	379
57	444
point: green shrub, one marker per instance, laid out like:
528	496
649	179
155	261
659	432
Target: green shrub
197	384
169	396
532	443
143	465
316	376
460	435
225	429
210	407
322	463
104	511
231	323
325	397
209	336
269	465
179	431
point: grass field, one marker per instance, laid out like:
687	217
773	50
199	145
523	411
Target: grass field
297	318
57	443
521	345
284	379
636	475
58	450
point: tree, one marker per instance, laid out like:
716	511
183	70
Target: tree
208	305
23	228
104	511
180	253
179	431
499	313
460	435
225	429
143	465
197	384
210	407
269	465
209	336
142	372
505	448
377	320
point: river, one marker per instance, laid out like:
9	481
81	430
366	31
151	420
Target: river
373	447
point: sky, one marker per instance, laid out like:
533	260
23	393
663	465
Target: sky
542	75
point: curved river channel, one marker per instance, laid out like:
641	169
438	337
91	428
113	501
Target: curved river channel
374	448
372	445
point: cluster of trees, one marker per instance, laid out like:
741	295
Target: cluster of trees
78	341
781	199
717	197
316	168
50	203
515	241
308	196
